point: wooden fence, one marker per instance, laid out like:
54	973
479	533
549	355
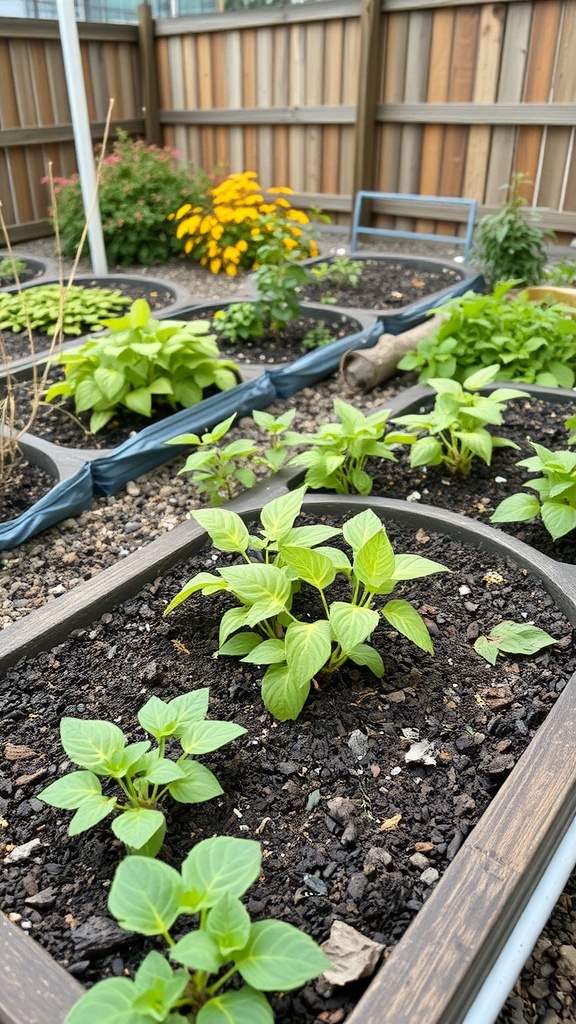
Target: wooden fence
436	97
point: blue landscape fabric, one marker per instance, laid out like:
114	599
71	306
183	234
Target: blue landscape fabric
148	449
66	499
320	363
416	312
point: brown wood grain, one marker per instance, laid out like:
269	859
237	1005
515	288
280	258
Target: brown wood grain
466	27
488	57
511	79
415	89
388	157
33	986
558	147
438	85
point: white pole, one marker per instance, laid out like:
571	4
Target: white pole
82	137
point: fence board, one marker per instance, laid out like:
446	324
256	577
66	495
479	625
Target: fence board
416	83
537	88
390	136
488	58
438	85
557	150
296	94
234	94
513	64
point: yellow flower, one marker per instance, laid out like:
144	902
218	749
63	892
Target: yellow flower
182	228
298	215
215	265
267	208
205	224
183	209
189	245
283	203
290	243
217	231
279	190
295	231
242	245
313	248
231	269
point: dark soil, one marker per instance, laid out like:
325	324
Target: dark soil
478	494
24	485
372	857
384	284
15	346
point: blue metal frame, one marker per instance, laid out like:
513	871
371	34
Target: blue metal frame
471	204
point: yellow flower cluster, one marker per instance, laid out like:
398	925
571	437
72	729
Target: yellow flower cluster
241	222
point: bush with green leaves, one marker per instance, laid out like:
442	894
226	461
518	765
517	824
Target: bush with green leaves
144	774
143	362
45	306
139	186
555	488
282	559
338	452
533	341
562	273
276	305
147	897
455	427
509	245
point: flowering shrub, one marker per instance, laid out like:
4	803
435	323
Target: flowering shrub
240	225
139	186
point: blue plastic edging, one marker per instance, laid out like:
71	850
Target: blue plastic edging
417	312
317	365
65	499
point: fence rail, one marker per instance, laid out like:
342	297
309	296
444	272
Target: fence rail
431	97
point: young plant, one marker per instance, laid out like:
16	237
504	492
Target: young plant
10	268
556	490
144	774
141	362
45	306
455	428
276	428
507	245
338	452
282	559
148	896
512	638
277	304
317	338
562	273
533	341
341	271
240	322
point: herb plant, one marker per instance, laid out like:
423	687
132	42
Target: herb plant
148	896
265	629
240	322
139	186
455	428
507	245
512	638
42	307
143	774
556	490
533	341
10	267
338	452
316	338
141	362
277	304
340	271
562	273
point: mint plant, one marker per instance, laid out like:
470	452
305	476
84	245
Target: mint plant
10	268
144	774
317	338
512	638
338	452
556	490
282	559
148	896
45	306
533	341
142	362
455	428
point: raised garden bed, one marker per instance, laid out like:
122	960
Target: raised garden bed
34	269
482	891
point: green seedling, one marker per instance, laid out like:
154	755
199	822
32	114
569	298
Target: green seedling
280	560
148	897
508	244
338	452
556	490
340	271
562	273
317	338
10	268
240	322
512	638
455	428
143	362
42	306
144	774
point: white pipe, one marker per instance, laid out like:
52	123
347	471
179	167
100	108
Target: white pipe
499	983
82	137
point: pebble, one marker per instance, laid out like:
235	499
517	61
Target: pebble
429	876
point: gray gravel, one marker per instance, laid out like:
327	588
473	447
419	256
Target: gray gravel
46	566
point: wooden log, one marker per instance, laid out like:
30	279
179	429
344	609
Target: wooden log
366	368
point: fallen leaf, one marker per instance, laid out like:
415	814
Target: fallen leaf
389	824
424	847
353	955
25	780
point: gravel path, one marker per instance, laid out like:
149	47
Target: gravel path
56	561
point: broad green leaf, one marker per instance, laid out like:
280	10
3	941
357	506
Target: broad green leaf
311	566
190	707
339	559
267	652
413	567
277	517
203	737
351	625
233	619
91	811
110	1001
240	644
558	518
403	617
163	771
136	826
520	637
157	717
282	695
219	865
71	790
111	382
308	647
145	895
360	528
198	784
198	952
309	536
487	375
279	956
479	442
228	923
374	562
92	744
258	582
225	528
426	451
363	654
139	401
158	986
486	648
516	509
206	581
239	1006
361	481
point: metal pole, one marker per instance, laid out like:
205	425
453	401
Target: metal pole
82	136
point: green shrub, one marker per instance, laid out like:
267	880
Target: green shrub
507	245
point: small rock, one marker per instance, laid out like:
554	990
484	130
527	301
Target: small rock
98	935
342	809
132	489
429	876
132	527
18	752
358	744
500	764
43	899
376	860
357	886
419	860
353	955
23	852
567	957
349	835
316	885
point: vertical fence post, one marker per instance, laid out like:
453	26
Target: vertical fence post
369	73
147	49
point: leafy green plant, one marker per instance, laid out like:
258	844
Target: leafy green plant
532	341
455	428
281	560
148	896
141	362
562	273
507	245
556	490
570	425
143	774
338	451
512	638
277	304
240	322
139	185
340	271
42	306
10	268
317	338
